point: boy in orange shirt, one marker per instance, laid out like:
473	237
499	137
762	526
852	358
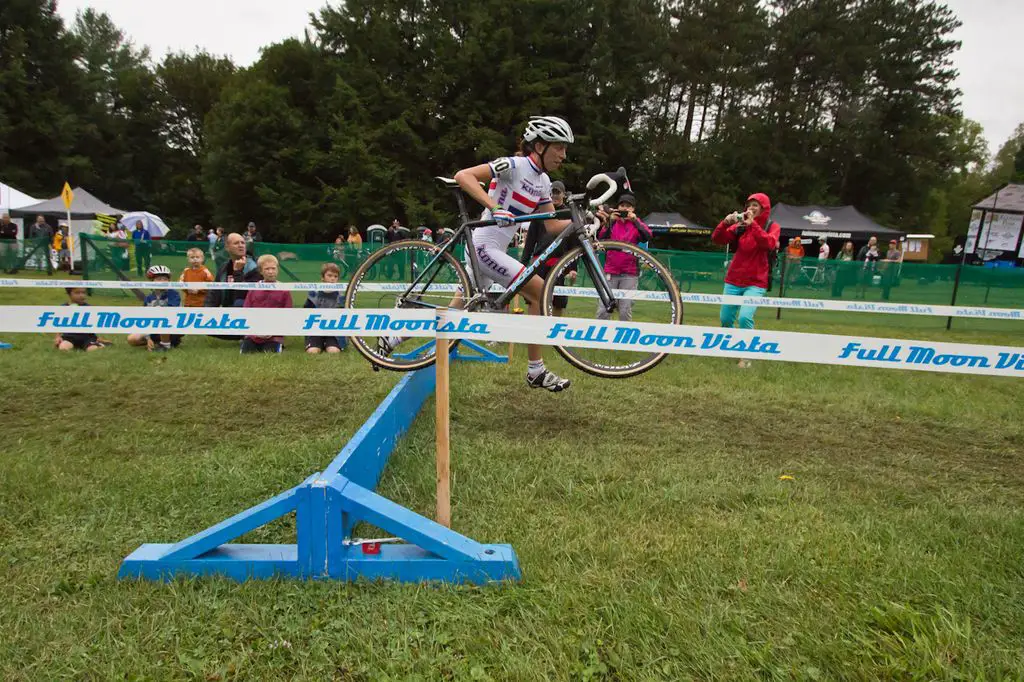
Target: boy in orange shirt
195	272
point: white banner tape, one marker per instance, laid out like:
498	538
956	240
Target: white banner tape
583	292
628	336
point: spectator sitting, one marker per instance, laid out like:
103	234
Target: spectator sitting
159	298
77	296
621	269
266	298
329	274
195	272
240	267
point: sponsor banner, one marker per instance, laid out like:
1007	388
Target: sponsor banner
581	292
823	349
236	321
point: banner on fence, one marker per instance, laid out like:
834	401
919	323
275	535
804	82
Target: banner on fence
583	292
826	349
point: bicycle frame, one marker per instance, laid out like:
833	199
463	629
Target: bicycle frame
575	211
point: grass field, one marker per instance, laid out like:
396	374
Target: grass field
656	537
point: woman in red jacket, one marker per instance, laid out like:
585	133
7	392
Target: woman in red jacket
752	236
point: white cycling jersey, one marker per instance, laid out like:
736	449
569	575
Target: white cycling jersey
519	186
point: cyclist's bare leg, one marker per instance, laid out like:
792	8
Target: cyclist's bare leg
537	375
532	293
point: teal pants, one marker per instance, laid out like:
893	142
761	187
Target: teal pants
746	312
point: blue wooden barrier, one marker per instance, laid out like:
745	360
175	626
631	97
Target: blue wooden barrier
327	507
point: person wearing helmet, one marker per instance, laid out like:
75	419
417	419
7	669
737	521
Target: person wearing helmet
159	298
519	186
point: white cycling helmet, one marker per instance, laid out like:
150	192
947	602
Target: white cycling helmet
549	129
157	270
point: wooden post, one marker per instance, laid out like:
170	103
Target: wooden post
443	443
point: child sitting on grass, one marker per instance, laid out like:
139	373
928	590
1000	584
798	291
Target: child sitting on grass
77	296
159	298
266	298
195	272
329	274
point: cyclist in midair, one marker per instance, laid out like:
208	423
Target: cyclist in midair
519	185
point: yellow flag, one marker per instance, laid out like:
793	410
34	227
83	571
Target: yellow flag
67	195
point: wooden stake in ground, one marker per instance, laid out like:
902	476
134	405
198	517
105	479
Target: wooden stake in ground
443	443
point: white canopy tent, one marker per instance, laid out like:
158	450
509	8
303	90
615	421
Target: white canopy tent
11	198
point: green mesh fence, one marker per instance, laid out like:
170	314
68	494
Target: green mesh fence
30	254
695	272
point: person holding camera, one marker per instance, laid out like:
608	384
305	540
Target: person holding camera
753	238
621	269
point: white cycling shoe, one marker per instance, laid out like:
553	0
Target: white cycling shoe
548	380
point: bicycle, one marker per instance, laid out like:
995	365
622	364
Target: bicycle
437	277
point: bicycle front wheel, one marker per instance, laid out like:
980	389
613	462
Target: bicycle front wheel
650	295
406	275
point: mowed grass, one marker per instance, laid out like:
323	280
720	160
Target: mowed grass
656	537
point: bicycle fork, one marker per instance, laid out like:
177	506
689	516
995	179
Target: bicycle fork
593	265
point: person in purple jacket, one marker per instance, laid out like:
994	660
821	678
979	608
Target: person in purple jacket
620	268
266	298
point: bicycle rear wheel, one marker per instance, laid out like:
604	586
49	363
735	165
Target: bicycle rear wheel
655	299
384	281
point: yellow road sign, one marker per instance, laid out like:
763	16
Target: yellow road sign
67	195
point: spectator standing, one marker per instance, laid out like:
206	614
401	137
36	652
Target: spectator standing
844	270
195	272
823	250
240	267
143	253
538	239
8	230
621	269
160	297
119	246
211	240
251	237
196	234
891	267
266	298
338	249
40	231
330	300
354	238
67	341
868	256
753	237
64	247
8	243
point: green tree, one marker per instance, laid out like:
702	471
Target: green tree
39	91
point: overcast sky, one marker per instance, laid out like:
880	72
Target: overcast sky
990	62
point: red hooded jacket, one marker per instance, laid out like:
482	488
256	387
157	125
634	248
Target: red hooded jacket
749	267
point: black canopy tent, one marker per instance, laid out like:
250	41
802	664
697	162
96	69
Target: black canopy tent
674	223
832	222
